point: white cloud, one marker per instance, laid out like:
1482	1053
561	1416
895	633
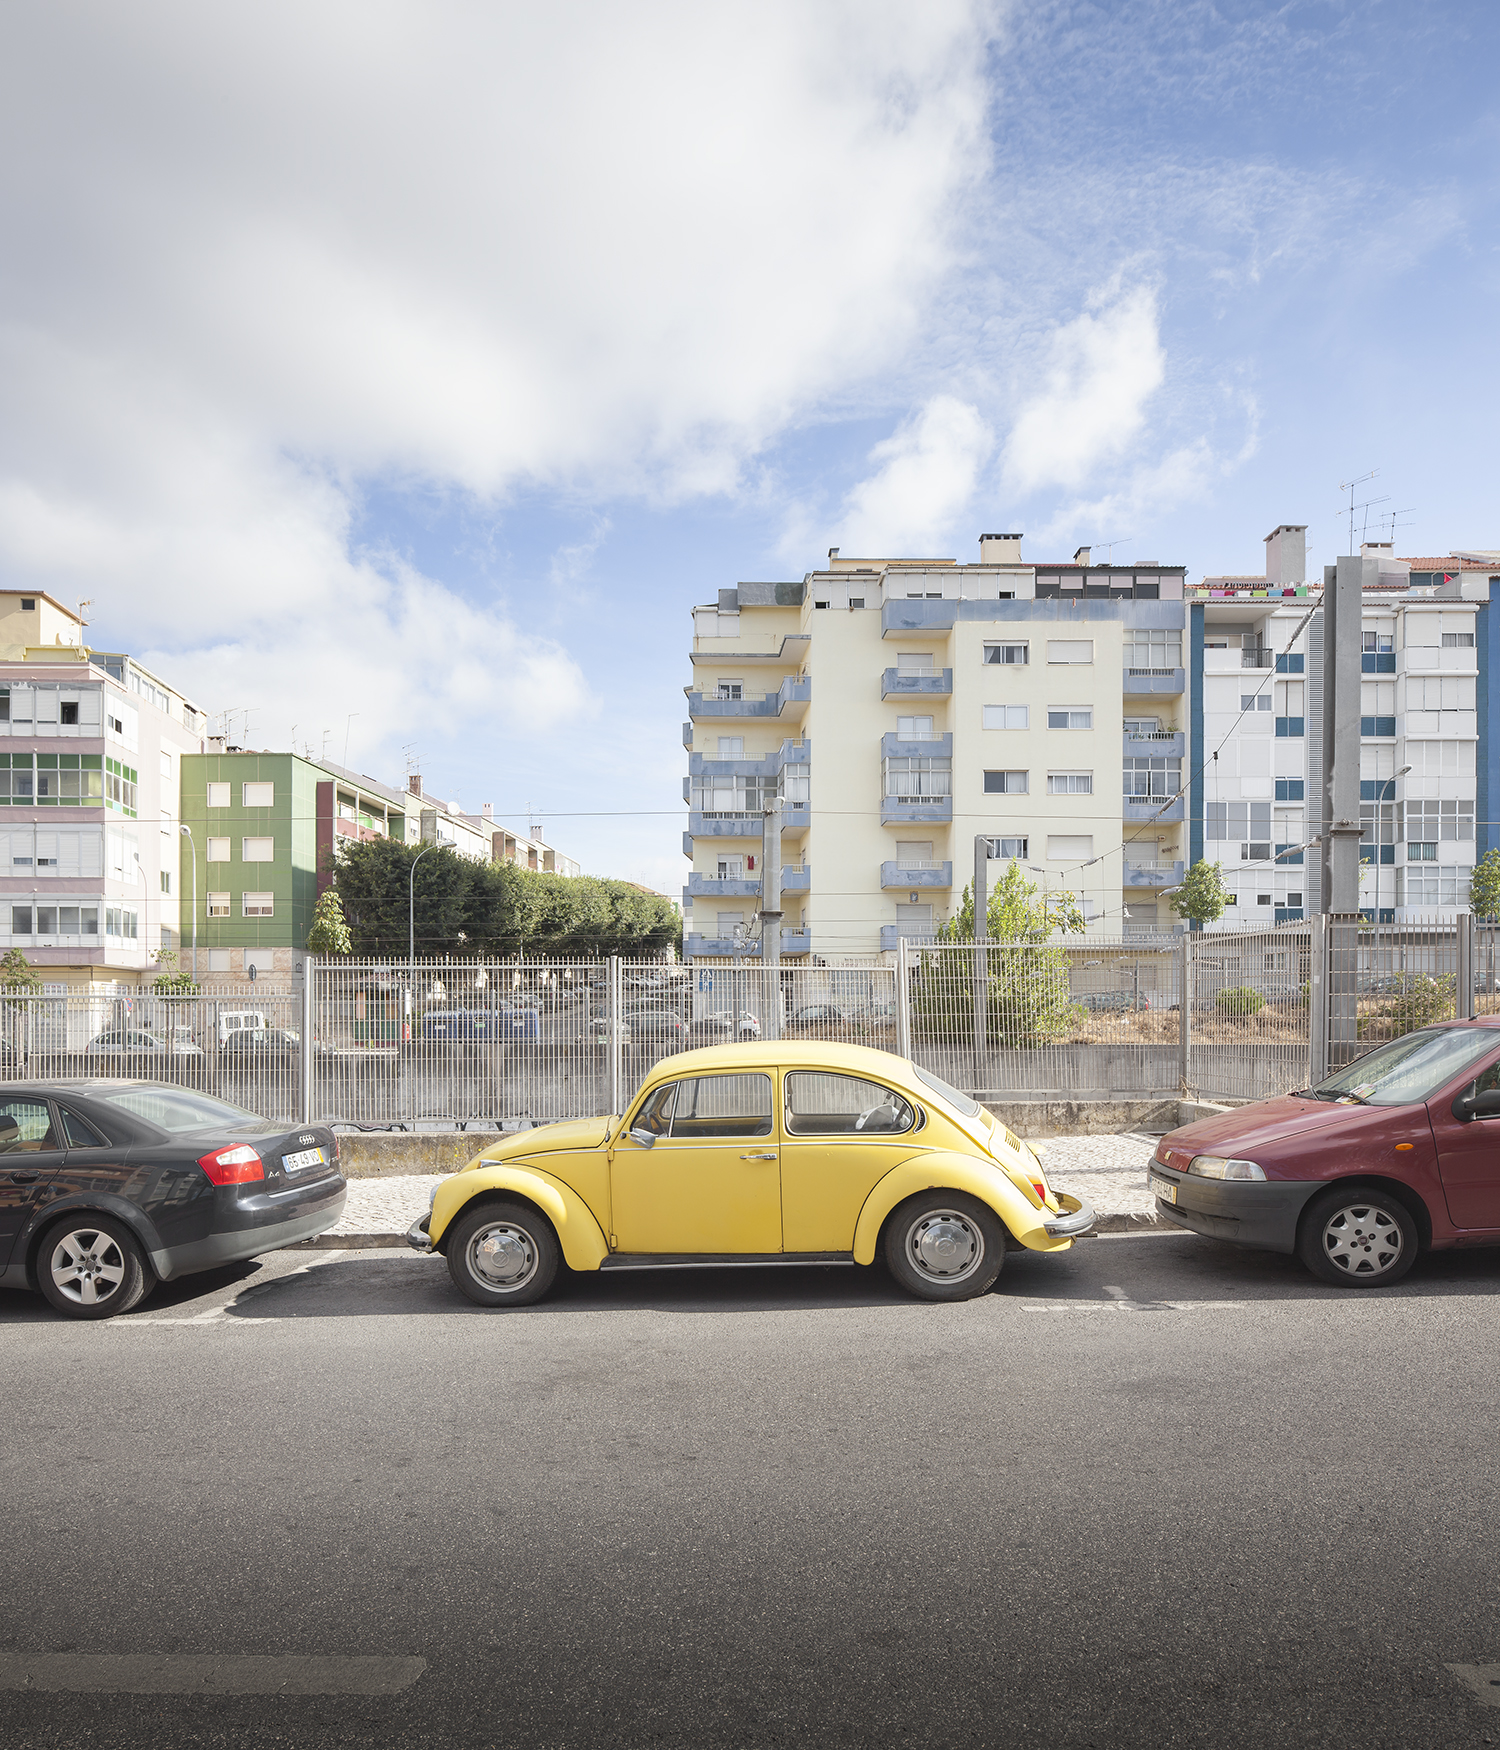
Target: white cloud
257	257
1102	369
925	476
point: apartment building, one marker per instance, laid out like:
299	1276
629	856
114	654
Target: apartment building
900	708
1427	756
525	850
91	750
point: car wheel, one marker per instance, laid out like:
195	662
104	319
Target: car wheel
944	1245
90	1267
503	1254
1358	1238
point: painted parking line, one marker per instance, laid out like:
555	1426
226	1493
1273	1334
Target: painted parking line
1482	1680
1127	1306
207	1674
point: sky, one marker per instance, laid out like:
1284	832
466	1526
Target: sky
394	377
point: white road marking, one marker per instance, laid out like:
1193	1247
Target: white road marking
207	1674
1483	1680
1123	1306
218	1315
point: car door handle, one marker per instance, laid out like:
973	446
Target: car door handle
25	1176
770	1157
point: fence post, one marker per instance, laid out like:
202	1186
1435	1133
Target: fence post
903	999
305	1053
1184	1011
1317	1000
1463	1009
613	1032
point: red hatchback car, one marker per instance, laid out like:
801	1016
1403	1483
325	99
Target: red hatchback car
1395	1154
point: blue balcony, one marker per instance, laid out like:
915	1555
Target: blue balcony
1158	744
896	877
935	745
796	878
1152	874
917	615
1153	680
891	934
937	685
695	947
795	818
790	700
930	811
768	765
1153	808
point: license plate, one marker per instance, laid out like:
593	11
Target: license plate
1163	1188
308	1157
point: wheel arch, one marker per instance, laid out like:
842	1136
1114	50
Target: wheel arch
123	1211
577	1229
943	1170
1406	1195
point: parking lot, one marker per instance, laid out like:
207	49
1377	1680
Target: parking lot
1154	1491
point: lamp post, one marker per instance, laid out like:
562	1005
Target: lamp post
187	833
411	924
1387	794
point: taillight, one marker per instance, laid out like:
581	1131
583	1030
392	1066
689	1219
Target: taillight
233	1166
1040	1188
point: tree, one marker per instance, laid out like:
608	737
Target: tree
329	933
1018	911
1484	886
1201	898
18	975
170	979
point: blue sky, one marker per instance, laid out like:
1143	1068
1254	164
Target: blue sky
428	364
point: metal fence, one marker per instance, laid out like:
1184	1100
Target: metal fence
511	1043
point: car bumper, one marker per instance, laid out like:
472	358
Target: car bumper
1254	1212
1073	1223
231	1245
417	1236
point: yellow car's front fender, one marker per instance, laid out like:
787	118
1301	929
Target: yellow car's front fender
579	1234
941	1171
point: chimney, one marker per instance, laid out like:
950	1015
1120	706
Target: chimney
487	810
1000	549
1081	556
1286	555
833	554
414	783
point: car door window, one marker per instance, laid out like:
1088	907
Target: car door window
656	1115
26	1127
714	1106
822	1104
77	1133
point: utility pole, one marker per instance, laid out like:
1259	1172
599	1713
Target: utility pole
1342	644
770	922
983	845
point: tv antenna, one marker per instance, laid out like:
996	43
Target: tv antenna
1109	546
1349	486
1393	517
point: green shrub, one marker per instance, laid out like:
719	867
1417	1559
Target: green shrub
1240	999
1424	1001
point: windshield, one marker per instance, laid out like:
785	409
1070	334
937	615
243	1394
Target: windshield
1411	1068
173	1109
960	1102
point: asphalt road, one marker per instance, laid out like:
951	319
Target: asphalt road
1154	1492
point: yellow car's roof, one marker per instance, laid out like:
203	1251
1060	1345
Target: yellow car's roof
793	1054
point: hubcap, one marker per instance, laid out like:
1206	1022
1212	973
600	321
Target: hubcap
87	1266
503	1256
944	1246
1361	1240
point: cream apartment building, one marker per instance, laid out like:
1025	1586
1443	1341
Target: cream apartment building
898	709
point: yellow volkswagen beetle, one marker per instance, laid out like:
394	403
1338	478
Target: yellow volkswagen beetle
756	1153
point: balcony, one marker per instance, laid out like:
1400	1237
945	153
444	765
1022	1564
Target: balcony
1157	681
1152	874
1155	808
695	947
891	934
894	877
795	818
925	744
915	811
790	701
795	878
743	765
928	616
931	683
1261	657
1161	743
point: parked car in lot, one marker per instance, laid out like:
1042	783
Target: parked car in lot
725	1025
817	1015
1358	1176
262	1044
773	1152
108	1186
476	1026
1112	1002
135	1042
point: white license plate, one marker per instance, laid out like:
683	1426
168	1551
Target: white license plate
1163	1188
308	1157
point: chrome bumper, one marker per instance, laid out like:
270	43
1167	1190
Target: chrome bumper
1074	1224
416	1236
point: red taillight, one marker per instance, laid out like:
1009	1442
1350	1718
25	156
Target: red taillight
1040	1188
233	1166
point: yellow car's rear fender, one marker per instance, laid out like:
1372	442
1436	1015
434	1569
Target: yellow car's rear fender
578	1233
941	1171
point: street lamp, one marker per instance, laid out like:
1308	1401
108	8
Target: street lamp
187	833
411	922
1387	794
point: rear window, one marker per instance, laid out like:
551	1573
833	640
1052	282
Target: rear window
174	1109
1411	1068
959	1102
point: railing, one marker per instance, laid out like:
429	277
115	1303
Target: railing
1152	734
1261	658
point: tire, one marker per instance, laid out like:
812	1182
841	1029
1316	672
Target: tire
503	1254
90	1267
944	1245
1358	1238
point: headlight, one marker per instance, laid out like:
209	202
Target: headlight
1218	1167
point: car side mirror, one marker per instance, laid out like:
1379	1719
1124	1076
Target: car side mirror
646	1138
1485	1105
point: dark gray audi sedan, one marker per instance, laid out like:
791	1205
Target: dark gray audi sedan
109	1186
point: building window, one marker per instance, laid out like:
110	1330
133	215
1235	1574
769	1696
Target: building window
1436	821
730	869
1238	820
1151	652
28	604
1458	641
1152	777
258	905
1291	663
218	905
120	920
914	728
915	662
1069	847
166	881
1256	701
1070	783
259	795
1059	717
1007	716
258	850
1007	654
218	960
915	778
218	796
1009	850
1071	650
1381	728
731	747
20	920
730	690
119	786
1007	783
1294	728
1290	790
1438	886
216	851
68	711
